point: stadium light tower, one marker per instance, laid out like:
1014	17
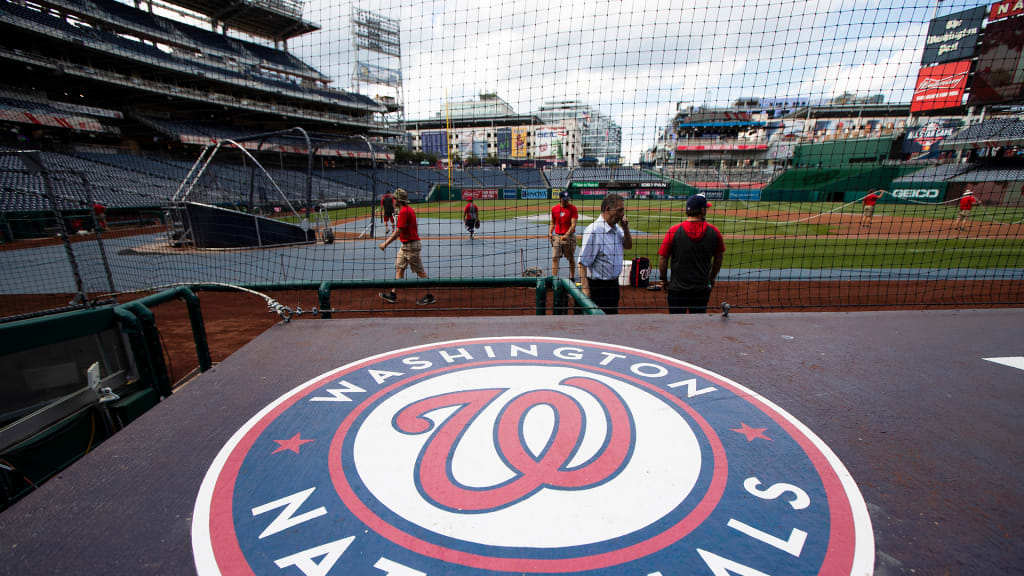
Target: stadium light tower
376	41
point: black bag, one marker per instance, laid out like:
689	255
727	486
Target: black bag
640	272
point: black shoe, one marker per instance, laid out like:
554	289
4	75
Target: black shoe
389	297
428	299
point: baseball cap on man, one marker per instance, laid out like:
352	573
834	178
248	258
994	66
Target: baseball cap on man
968	193
401	195
564	195
696	203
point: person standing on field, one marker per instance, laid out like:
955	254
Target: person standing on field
967	201
387	212
471	217
869	206
562	233
409	254
600	258
696	250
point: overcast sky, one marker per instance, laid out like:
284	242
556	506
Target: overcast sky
634	60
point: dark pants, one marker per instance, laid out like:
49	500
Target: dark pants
605	293
688	301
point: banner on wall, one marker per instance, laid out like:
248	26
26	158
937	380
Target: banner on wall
1006	9
940	86
519	141
923	139
535	193
504	142
466	144
435	143
547	142
953	37
480	193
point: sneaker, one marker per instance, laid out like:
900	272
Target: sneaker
428	299
388	297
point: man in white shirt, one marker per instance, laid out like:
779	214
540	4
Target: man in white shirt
600	260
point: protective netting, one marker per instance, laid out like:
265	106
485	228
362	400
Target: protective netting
851	155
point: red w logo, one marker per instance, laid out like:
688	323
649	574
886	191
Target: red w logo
547	469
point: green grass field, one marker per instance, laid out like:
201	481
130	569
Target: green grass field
651	219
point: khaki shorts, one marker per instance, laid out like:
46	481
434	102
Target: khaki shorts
869	210
565	247
963	214
409	255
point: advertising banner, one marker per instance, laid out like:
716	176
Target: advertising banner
436	143
555	192
509	193
940	86
1006	9
717	147
547	142
998	76
466	144
535	193
504	138
366	72
519	143
747	195
953	37
923	139
920	193
480	193
594	192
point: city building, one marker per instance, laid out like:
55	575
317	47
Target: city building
489	128
601	136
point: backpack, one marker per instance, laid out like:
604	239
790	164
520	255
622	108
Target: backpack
640	272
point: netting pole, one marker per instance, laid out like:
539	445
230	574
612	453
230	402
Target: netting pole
99	235
373	178
34	163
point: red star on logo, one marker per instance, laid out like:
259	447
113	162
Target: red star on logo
292	443
751	433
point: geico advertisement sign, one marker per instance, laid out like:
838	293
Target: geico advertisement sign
929	194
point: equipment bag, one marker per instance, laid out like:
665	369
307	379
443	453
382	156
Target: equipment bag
640	272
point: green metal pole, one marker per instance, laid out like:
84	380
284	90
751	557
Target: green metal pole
195	316
542	296
324	292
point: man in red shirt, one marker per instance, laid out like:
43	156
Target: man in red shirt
101	215
967	201
562	233
471	216
409	253
869	206
696	251
387	212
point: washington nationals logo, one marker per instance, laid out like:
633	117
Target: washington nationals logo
547	469
527	456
